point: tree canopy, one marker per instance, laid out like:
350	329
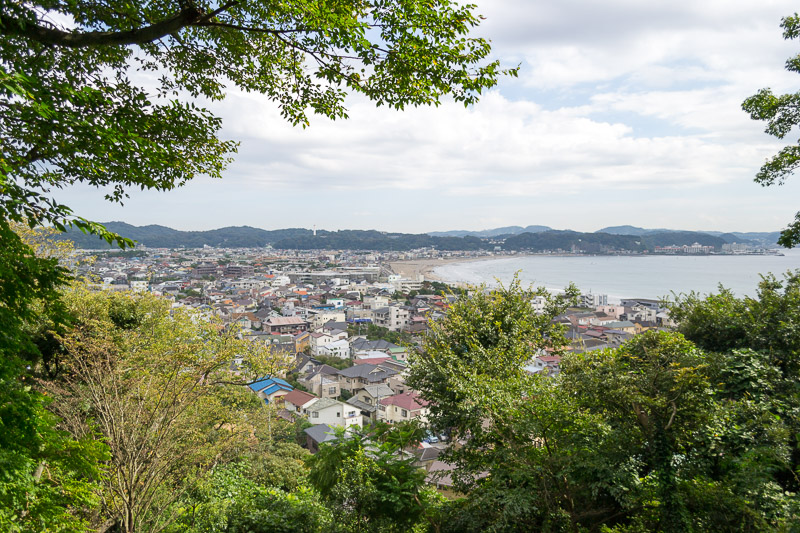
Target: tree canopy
781	115
75	110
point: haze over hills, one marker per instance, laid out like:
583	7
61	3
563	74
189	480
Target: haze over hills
628	238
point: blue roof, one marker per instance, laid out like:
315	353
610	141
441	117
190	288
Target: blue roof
274	388
268	382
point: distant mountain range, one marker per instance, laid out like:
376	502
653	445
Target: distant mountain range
509	238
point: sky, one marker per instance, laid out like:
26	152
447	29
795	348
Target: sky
624	112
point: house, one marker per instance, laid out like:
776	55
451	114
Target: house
334	413
439	475
427	454
285	324
323	381
316	435
548	365
625	326
304	364
402	407
371	394
340	349
360	344
271	388
297	401
367	410
394	318
359	376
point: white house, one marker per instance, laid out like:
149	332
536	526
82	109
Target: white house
333	413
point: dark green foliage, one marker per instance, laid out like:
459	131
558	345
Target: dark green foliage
369	483
374	332
29	294
780	112
681	238
376	240
230	499
607	242
156	236
565	240
335	362
48	480
72	112
654	436
770	322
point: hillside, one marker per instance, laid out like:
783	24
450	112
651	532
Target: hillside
565	240
516	238
155	236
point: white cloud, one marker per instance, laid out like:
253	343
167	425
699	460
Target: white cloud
640	99
499	147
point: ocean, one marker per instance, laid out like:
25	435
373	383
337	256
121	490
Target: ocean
628	276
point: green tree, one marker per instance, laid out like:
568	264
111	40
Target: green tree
654	390
72	112
370	483
48	480
229	499
770	322
520	463
781	114
756	357
156	385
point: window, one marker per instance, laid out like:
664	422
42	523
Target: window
315	414
338	414
332	390
404	413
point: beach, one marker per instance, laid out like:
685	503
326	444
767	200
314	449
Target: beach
411	269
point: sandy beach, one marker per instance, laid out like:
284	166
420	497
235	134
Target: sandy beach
411	269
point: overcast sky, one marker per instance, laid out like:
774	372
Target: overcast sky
624	112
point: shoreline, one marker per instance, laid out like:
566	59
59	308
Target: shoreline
412	268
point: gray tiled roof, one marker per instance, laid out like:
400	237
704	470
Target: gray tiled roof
372	373
320	433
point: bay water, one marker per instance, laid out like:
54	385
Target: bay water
645	276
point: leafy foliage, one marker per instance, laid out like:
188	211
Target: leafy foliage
780	112
72	114
229	499
156	384
369	482
48	480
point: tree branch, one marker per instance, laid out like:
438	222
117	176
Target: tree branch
672	417
12	26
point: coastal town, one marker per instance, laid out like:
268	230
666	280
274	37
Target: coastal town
347	321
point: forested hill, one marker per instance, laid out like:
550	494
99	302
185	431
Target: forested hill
304	239
680	238
294	238
156	236
376	240
607	242
565	240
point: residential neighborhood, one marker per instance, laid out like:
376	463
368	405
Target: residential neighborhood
347	322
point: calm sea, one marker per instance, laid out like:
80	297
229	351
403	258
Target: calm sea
628	277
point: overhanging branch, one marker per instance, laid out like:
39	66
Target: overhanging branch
187	16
